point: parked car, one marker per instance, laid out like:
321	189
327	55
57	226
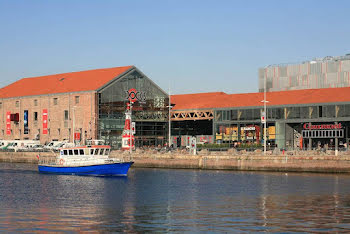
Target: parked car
53	145
37	147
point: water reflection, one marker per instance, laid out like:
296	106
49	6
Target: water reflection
173	201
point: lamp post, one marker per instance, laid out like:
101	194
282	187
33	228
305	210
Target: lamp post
265	110
264	120
130	130
169	121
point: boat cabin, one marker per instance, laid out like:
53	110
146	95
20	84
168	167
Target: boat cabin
86	151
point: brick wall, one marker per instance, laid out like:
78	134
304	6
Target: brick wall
83	113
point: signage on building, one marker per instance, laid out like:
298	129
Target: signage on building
133	127
263	117
77	136
248	128
309	126
8	123
25	122
44	121
322	130
14	117
133	95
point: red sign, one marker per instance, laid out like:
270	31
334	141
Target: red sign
8	123
77	136
44	121
132	95
309	126
14	117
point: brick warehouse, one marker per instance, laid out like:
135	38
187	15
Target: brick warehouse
90	102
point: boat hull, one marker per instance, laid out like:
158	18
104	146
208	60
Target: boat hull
113	169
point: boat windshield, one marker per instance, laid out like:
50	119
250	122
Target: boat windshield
72	152
93	151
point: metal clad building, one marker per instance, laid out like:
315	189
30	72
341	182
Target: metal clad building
328	72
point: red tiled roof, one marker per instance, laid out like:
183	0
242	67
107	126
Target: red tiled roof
62	83
223	100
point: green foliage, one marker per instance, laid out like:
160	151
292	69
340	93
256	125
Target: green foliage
226	145
213	146
253	145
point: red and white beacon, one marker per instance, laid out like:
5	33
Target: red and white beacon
128	138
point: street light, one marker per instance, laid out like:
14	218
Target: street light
130	130
169	121
265	111
264	120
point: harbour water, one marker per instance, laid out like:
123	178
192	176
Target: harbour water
173	200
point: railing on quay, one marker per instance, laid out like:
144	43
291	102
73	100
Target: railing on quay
48	160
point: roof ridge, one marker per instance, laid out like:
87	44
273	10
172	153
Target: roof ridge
97	69
87	80
201	93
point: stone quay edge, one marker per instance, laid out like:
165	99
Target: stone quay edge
312	161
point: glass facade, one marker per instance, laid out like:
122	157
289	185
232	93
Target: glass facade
149	111
244	125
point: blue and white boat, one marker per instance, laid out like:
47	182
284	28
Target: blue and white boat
84	160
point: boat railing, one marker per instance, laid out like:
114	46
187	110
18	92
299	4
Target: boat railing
48	160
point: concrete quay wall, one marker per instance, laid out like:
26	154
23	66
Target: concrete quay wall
329	164
215	161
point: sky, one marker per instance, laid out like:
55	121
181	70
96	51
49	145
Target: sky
189	46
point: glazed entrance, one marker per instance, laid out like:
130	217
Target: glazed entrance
149	111
318	135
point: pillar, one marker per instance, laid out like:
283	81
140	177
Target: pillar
280	134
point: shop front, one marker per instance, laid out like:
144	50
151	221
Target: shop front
246	133
324	135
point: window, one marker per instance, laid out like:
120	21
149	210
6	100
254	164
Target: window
17	103
224	117
55	101
320	112
279	113
70	152
81	151
313	112
218	115
0	105
35	116
76	152
234	115
66	115
35	102
347	110
304	112
295	112
76	99
330	111
256	113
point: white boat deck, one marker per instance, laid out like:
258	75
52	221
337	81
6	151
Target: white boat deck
80	156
